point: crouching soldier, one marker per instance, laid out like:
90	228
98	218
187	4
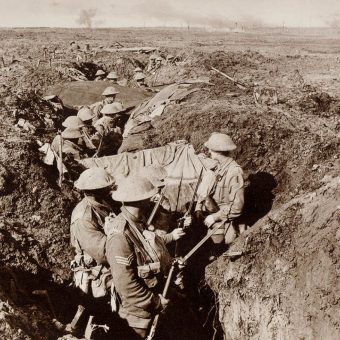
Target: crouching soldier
91	272
221	193
138	257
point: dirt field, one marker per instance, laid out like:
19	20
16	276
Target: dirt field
286	284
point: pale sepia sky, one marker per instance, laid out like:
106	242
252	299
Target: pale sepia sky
213	13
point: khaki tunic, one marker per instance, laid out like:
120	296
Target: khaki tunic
139	301
225	185
87	234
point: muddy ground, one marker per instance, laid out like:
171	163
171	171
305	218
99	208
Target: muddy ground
286	283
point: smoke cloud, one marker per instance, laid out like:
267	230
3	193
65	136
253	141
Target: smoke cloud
86	17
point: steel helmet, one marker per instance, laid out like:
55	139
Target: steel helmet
153	57
170	57
138	69
73	122
71	133
112	75
100	73
112	108
139	76
85	114
50	97
133	188
110	91
93	179
159	59
220	142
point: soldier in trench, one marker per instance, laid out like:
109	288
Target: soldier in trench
137	256
221	193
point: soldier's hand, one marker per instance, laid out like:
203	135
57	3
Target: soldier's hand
177	233
164	301
187	221
209	221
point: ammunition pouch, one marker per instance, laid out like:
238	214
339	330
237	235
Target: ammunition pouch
149	273
95	279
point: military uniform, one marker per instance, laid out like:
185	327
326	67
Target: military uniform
221	193
87	234
68	148
135	270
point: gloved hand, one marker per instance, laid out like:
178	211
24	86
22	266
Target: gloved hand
209	220
177	233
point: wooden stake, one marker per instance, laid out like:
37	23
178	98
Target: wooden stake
3	62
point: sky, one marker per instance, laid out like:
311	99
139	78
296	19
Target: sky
139	13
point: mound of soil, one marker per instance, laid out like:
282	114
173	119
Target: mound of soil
286	284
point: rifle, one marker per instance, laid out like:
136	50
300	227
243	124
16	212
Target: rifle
181	220
155	209
179	261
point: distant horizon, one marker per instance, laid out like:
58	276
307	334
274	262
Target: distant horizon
170	27
215	14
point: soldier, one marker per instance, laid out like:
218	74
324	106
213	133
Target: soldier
100	75
86	115
138	258
112	76
170	60
159	61
137	70
87	233
73	122
140	79
152	63
109	95
72	143
55	102
108	137
88	118
221	193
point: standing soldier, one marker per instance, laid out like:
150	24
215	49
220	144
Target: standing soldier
138	257
87	233
100	75
221	193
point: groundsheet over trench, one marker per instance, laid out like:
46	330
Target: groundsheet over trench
79	93
179	159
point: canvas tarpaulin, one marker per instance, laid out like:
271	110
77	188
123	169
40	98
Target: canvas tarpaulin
79	93
179	160
155	106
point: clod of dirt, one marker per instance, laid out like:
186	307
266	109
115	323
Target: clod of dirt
3	179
